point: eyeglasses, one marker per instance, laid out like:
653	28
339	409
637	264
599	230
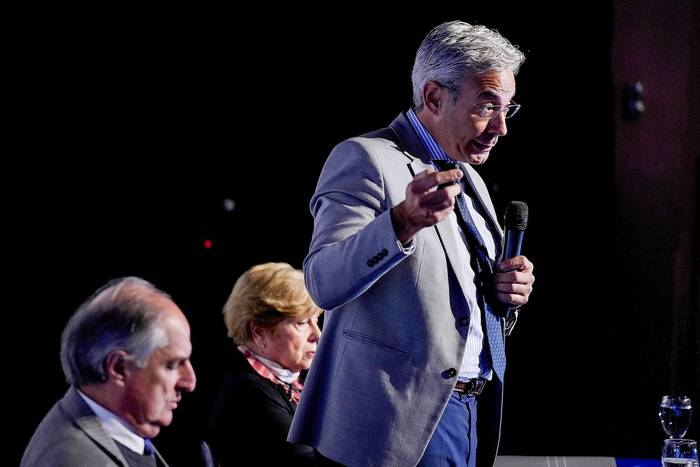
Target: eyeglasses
489	111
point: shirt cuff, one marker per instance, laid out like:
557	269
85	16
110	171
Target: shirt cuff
406	250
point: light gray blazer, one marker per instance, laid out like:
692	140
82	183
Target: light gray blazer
385	366
71	435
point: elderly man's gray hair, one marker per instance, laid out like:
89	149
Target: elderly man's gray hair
118	316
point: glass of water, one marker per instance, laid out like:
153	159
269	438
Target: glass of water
675	413
680	452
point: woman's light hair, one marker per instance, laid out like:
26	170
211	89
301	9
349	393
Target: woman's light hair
266	294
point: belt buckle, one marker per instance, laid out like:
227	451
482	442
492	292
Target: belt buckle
477	386
473	387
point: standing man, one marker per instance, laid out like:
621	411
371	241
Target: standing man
419	305
126	355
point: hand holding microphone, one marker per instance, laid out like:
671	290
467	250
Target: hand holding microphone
514	278
516	223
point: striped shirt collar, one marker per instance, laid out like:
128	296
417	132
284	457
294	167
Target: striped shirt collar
434	149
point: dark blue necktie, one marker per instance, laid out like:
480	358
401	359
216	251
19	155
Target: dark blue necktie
483	278
148	448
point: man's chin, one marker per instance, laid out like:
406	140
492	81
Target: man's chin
147	430
478	158
151	429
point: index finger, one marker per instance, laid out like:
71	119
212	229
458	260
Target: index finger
516	263
429	178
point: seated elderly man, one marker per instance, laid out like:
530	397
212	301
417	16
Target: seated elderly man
126	355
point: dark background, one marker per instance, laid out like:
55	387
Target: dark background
124	131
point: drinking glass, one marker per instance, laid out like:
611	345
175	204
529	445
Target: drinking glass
675	412
679	452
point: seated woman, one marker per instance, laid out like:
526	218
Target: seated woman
274	323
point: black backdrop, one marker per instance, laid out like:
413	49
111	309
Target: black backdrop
124	131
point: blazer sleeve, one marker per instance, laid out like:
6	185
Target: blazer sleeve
353	242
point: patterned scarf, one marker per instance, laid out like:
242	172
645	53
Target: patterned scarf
293	389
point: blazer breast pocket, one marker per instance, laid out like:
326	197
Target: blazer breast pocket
366	339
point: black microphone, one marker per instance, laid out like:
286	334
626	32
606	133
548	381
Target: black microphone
516	222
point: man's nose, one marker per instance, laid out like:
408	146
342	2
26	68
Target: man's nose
188	380
498	124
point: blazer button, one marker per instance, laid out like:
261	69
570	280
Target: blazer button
464	321
450	373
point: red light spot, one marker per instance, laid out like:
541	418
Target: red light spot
208	244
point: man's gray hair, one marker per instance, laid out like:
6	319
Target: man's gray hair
455	51
118	316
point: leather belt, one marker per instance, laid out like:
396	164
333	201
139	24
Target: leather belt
472	387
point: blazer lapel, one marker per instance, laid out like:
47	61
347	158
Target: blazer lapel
161	461
413	148
90	424
449	240
485	202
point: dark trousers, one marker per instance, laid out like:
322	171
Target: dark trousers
454	442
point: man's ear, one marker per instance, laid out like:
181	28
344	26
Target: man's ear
434	96
116	366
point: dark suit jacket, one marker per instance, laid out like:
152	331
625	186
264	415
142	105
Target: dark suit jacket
71	435
251	419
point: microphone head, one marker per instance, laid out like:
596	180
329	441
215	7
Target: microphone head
516	215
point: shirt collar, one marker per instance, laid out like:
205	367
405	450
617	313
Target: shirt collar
115	426
283	374
434	149
292	388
